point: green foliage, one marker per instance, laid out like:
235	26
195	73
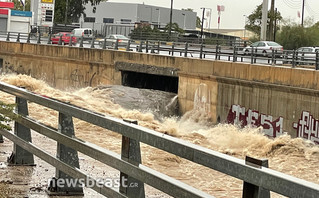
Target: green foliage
6	113
147	33
295	36
198	22
174	28
254	20
75	9
18	5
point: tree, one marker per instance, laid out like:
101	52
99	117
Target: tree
75	9
254	20
174	28
198	22
19	6
293	36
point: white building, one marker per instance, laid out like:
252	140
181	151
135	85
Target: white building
128	14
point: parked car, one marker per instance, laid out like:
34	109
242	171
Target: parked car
264	48
65	38
86	33
304	56
112	38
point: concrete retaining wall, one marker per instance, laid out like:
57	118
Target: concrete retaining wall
279	99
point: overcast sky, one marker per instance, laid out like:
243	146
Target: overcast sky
233	16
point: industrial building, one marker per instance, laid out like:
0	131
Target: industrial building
110	16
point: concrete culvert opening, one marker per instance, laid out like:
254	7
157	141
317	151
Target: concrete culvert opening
150	81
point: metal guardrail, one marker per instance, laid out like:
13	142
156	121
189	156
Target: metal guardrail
259	178
232	53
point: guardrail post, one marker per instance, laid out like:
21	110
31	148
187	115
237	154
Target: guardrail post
235	54
116	46
293	65
68	156
173	49
71	41
81	41
252	56
20	156
18	37
39	39
49	39
201	51
128	46
146	46
273	60
29	37
60	40
131	152
104	44
8	37
317	60
216	52
158	46
1	139
186	49
140	47
92	42
250	190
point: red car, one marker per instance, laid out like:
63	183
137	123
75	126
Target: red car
66	36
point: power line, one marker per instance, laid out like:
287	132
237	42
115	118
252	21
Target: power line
292	5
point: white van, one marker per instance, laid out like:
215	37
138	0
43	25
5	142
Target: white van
87	33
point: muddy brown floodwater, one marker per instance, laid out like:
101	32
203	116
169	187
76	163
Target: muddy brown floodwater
291	156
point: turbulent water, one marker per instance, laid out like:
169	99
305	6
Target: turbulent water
292	156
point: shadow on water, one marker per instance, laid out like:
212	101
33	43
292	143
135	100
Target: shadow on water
160	103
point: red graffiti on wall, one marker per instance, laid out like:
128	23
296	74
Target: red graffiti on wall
239	116
307	127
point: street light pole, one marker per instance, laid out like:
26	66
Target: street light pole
184	20
202	28
170	21
303	11
159	17
66	11
244	27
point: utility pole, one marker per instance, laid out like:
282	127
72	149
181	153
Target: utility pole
271	21
303	11
263	33
170	21
66	11
275	26
202	28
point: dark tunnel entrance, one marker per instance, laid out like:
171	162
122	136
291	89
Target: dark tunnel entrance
150	81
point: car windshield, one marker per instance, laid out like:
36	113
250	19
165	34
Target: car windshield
255	44
121	37
273	44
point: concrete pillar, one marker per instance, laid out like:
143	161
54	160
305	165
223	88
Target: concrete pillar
20	156
68	156
251	190
131	152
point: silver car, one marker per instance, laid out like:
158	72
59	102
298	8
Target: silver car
307	55
264	48
112	38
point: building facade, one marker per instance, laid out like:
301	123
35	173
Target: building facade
14	20
128	14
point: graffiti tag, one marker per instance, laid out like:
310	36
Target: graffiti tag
239	116
307	127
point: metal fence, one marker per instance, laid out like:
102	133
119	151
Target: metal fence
258	180
218	50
